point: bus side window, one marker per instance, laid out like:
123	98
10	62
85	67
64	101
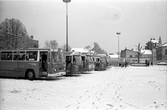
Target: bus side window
15	55
22	55
6	56
31	55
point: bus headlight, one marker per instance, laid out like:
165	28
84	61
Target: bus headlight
89	66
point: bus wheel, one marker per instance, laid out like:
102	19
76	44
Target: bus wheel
30	74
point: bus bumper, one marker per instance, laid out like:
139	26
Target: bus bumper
57	74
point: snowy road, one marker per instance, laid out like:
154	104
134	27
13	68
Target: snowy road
131	88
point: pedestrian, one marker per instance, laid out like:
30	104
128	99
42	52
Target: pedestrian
126	63
146	63
44	61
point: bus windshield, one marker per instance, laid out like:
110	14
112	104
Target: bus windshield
77	59
57	57
89	58
103	60
54	57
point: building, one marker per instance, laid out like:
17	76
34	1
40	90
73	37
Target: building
132	55
114	59
9	42
152	45
33	43
161	53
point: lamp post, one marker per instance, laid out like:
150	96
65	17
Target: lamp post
67	1
118	33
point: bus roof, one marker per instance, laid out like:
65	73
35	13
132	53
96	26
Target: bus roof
72	53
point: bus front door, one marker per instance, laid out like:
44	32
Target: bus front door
49	64
68	65
84	63
43	68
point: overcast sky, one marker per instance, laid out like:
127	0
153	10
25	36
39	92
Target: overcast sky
91	21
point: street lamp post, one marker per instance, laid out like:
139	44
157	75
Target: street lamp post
118	33
67	1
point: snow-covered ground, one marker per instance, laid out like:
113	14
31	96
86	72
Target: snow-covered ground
130	88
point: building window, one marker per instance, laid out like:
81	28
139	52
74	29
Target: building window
166	52
130	56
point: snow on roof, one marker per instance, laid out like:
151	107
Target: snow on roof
102	55
146	51
113	56
135	50
154	41
82	50
165	44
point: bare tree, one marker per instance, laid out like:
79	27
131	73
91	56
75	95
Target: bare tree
139	52
13	32
98	49
52	44
88	47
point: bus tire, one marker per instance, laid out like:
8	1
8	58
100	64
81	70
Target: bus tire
30	75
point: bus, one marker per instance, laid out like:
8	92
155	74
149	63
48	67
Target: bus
28	63
88	64
74	64
58	60
100	62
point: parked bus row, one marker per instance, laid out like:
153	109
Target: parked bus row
38	63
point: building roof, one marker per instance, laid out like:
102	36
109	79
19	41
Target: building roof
130	50
102	55
82	50
146	52
154	41
165	44
113	56
162	45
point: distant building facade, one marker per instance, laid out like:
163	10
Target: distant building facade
161	53
23	42
132	55
33	43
